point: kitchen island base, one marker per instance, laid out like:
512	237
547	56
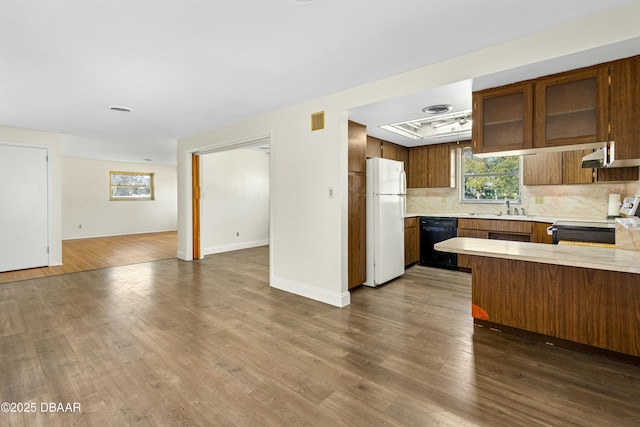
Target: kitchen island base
586	309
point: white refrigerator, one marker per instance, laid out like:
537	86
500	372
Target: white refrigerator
386	207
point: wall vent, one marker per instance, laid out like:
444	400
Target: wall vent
317	121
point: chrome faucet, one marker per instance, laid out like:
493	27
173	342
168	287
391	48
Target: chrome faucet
506	202
523	214
515	211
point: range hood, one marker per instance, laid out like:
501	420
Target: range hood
595	160
605	157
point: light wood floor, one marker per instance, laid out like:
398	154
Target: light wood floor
103	252
210	343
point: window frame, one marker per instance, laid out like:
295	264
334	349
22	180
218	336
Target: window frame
461	178
151	176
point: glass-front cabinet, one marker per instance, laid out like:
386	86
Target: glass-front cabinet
502	118
572	108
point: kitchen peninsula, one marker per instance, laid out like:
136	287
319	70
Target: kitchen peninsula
575	296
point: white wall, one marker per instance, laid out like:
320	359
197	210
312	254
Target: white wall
308	251
235	200
52	142
85	200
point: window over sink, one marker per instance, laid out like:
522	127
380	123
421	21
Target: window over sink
489	180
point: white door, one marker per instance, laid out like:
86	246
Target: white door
23	207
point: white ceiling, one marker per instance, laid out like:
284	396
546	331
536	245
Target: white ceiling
191	65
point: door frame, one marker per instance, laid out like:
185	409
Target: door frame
194	211
50	230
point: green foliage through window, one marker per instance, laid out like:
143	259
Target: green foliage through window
492	179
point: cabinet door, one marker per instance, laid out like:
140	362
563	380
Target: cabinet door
374	147
618	174
572	170
439	165
357	242
402	155
542	169
388	150
411	241
417	178
503	118
540	234
464	261
625	108
357	147
572	108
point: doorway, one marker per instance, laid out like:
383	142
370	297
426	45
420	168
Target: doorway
234	199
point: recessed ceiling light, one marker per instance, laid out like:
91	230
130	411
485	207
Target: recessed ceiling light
437	109
120	108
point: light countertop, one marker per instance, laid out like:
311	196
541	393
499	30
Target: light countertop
609	259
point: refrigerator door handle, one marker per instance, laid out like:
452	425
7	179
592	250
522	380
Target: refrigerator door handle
403	207
403	182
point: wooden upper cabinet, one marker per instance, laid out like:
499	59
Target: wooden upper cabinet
556	168
625	108
572	108
572	170
357	147
417	178
503	118
429	166
374	147
439	162
388	150
542	169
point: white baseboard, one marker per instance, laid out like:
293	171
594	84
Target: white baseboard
234	247
311	292
183	256
96	236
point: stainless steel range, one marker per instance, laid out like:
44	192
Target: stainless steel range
584	231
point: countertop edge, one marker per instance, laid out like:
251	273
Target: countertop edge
597	258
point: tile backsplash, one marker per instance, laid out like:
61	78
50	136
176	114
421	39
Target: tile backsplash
586	201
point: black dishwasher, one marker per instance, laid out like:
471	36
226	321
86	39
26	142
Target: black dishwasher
432	231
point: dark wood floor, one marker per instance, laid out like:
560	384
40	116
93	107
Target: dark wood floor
210	343
104	252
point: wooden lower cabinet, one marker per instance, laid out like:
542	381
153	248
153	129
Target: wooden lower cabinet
592	307
500	229
411	240
464	261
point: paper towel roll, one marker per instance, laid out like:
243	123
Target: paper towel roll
614	205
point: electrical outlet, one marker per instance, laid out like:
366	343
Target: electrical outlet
331	192
79	225
539	200
237	234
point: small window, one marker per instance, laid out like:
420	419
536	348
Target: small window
489	180
131	186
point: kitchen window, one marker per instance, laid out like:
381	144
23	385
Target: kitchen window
489	180
131	186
